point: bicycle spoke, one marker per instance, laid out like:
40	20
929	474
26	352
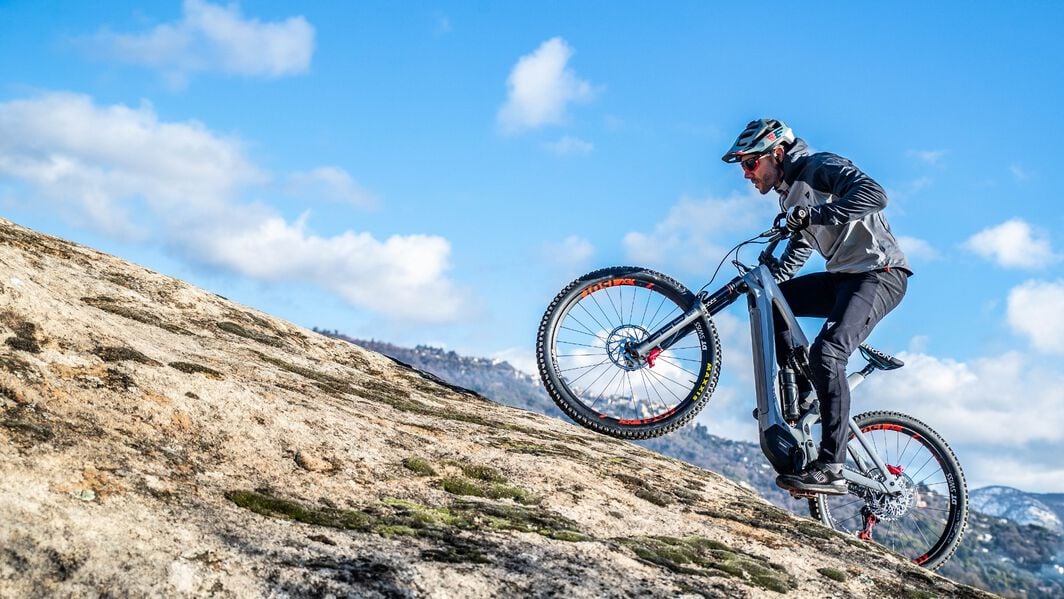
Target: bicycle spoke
578	355
606	386
601	309
920	529
655	388
658	375
585	374
631	312
655	316
593	317
609	296
580	344
678	367
582	367
595	335
643	318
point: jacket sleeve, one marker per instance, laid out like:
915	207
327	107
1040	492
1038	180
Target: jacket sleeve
856	194
792	259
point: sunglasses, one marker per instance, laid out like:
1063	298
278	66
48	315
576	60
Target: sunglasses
750	164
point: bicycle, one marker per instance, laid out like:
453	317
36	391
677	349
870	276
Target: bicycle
632	353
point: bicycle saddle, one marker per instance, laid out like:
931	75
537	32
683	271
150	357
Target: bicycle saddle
879	359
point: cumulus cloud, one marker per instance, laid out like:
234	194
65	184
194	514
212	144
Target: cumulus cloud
96	159
521	358
918	249
540	88
571	251
402	276
994	407
91	162
213	38
569	146
696	233
330	183
1036	311
1013	244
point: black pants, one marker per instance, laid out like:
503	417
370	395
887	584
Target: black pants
852	303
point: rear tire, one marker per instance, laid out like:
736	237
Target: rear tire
583	368
927	521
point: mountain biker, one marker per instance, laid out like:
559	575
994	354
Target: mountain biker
830	205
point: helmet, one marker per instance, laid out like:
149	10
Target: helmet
759	136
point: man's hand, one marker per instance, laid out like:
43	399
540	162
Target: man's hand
797	218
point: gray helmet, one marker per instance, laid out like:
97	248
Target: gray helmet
759	136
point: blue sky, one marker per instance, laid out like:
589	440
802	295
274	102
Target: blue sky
434	173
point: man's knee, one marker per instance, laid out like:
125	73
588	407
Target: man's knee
827	357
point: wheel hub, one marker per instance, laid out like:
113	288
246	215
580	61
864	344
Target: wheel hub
889	507
620	340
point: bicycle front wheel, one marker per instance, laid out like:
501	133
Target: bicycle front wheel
925	522
581	353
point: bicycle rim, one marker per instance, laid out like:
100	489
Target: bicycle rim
592	379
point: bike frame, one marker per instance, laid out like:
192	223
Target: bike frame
788	446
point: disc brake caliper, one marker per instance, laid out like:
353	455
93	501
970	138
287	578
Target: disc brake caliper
653	356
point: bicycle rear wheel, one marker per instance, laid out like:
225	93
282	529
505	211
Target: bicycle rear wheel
580	350
926	521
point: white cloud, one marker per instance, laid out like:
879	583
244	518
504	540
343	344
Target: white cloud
402	276
1036	310
696	233
1013	244
918	249
330	183
930	157
97	158
1019	172
540	88
573	251
521	358
569	146
993	408
212	38
92	162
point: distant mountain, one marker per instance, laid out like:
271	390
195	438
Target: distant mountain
1014	549
1041	509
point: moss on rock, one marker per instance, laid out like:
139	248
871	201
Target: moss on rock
190	368
419	466
706	557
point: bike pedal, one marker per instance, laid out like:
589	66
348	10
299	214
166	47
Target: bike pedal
802	494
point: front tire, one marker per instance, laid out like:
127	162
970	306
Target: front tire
925	523
584	369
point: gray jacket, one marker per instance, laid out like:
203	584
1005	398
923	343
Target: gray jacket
847	225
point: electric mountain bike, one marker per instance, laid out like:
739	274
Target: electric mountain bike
631	353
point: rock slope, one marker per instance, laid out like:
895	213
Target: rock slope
159	440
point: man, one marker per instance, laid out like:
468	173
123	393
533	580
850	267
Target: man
832	206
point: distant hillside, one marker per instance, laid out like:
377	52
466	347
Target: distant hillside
1041	509
1012	557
